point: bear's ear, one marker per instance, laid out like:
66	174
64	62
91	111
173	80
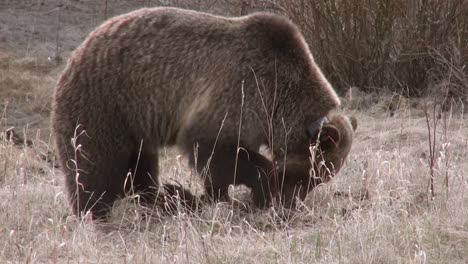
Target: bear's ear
329	137
353	121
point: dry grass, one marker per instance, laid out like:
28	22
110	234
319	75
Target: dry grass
26	86
393	45
24	81
378	210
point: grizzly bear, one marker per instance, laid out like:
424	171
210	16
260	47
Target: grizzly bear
216	87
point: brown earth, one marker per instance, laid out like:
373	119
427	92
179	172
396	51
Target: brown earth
36	38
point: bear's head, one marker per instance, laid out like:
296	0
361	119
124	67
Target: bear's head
329	148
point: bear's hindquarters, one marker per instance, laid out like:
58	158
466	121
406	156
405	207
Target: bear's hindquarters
97	174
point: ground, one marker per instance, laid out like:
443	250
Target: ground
379	209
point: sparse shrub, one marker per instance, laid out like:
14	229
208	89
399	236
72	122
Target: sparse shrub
395	45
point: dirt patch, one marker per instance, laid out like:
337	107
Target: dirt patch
36	38
50	28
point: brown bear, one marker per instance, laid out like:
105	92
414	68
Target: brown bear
216	87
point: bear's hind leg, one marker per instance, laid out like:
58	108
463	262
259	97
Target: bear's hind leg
145	181
99	183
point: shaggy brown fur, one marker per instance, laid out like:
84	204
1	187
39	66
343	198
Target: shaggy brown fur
328	153
217	87
327	156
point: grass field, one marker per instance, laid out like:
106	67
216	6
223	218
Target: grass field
378	209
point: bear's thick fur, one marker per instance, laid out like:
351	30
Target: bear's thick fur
216	87
327	157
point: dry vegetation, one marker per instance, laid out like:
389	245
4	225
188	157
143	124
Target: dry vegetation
394	45
378	210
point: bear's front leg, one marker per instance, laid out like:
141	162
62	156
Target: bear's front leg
224	165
